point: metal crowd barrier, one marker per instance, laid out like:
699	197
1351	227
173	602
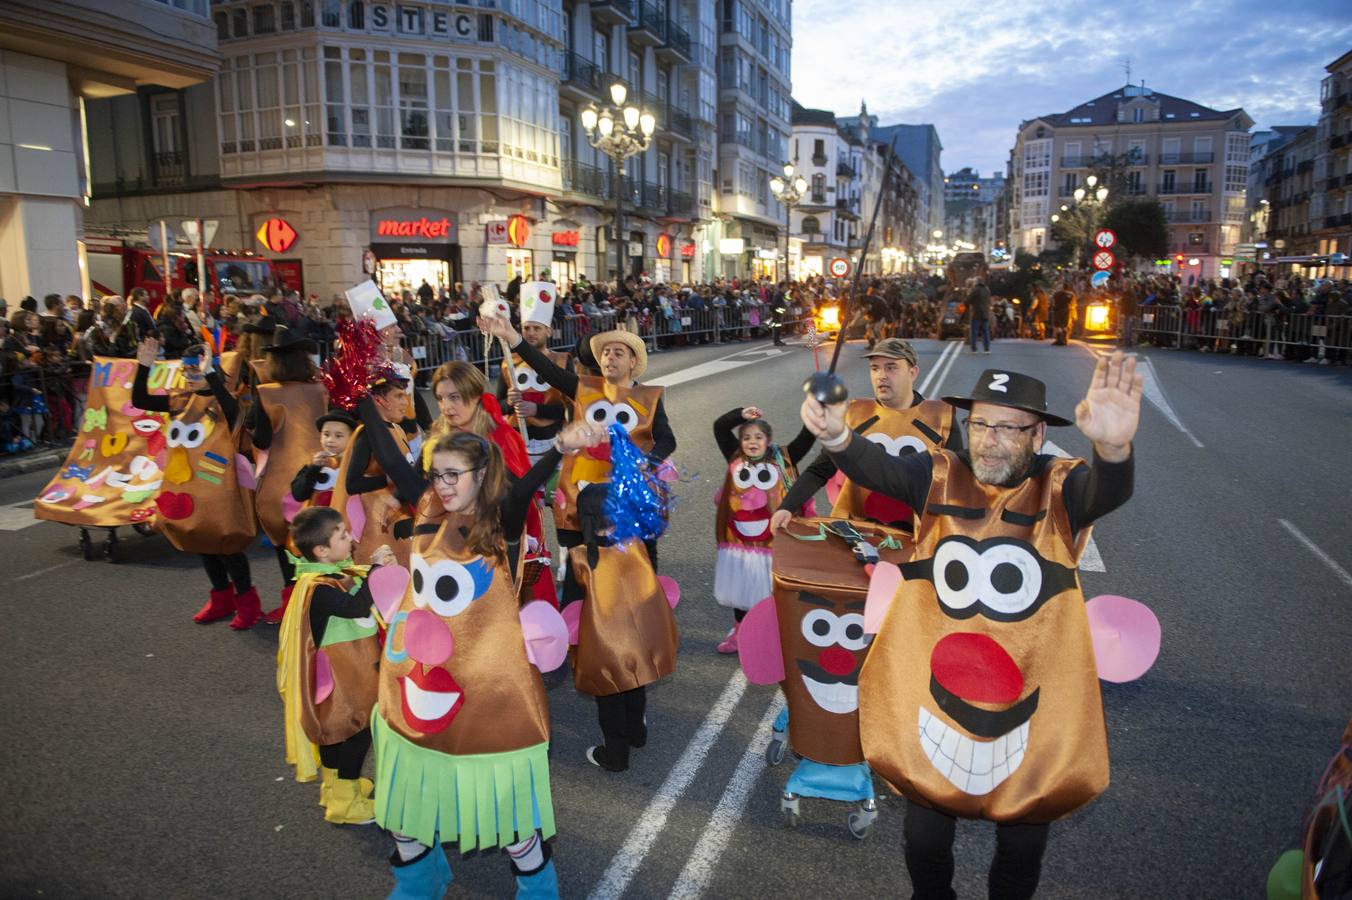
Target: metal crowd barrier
42	403
1248	332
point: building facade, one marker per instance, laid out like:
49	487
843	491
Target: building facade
1331	195
1284	192
920	149
972	210
355	122
1192	158
57	58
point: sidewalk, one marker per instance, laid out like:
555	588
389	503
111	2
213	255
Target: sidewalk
33	461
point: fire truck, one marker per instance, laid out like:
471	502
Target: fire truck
117	266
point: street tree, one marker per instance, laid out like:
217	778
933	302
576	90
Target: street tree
1141	229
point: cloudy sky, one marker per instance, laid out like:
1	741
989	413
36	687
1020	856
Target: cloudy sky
976	69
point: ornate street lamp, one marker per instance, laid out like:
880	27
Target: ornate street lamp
1092	195
618	130
788	191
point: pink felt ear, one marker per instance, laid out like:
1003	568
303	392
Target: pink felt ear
1126	637
718	496
882	587
758	646
387	584
356	517
809	508
572	617
323	676
559	500
671	589
546	635
260	463
290	506
833	487
667	474
244	472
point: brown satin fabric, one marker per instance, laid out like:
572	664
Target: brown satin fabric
222	517
373	502
581	467
1065	764
626	634
729	501
552	394
826	569
292	407
107	445
894	423
504	698
355	664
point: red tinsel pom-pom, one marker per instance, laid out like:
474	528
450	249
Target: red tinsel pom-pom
347	373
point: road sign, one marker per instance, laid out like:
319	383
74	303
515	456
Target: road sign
1105	238
154	236
1104	259
839	268
1099	279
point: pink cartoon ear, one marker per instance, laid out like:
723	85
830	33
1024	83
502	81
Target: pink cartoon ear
546	635
323	676
1126	637
718	496
671	589
559	500
758	646
833	487
882	587
260	463
244	472
290	506
572	617
356	517
387	584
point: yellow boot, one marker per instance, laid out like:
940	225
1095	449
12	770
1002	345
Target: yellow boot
347	806
326	778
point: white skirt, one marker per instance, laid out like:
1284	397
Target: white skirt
742	575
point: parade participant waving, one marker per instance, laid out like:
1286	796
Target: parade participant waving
461	729
759	474
206	503
990	612
899	420
521	391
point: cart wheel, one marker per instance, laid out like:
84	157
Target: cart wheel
144	528
110	547
774	752
87	546
788	807
862	819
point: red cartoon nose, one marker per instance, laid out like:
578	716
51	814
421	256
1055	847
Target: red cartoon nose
976	668
836	660
600	451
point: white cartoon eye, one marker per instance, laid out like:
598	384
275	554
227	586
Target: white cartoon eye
174	437
744	476
765	476
1012	578
850	632
820	627
958	575
445	587
898	446
193	435
524	379
602	413
327	480
625	416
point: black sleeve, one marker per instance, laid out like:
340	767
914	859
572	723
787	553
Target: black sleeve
259	424
327	601
954	441
229	405
907	478
409	484
553	376
303	485
664	439
724	432
421	411
1093	491
798	447
141	398
522	491
355	481
810	480
551	412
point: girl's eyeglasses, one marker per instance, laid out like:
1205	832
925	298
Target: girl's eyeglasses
450	477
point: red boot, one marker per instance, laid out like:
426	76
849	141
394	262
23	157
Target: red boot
221	604
275	617
248	610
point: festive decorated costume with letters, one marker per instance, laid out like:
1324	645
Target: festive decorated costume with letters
538	301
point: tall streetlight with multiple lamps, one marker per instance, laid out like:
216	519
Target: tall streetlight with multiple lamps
1090	198
788	191
619	130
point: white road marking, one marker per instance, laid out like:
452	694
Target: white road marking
699	868
1310	545
1091	560
703	370
949	352
1155	394
17	516
44	571
644	834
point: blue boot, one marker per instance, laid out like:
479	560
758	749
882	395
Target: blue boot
543	884
425	877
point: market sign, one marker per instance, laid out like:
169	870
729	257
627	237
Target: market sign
663	246
518	231
496	232
276	234
688	250
565	238
413	225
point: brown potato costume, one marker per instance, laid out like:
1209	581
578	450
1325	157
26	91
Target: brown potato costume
292	408
898	431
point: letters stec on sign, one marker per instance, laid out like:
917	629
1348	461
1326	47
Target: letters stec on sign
406	19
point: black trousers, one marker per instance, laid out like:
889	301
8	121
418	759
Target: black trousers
621	718
347	756
1013	874
225	568
288	570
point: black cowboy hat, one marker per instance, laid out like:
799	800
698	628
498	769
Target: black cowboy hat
284	340
1010	389
336	415
265	325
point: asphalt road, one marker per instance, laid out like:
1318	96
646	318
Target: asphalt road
142	754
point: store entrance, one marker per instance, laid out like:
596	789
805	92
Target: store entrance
399	275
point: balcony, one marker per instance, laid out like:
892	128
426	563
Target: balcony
1343	100
844	170
613	12
1074	162
1186	159
651	27
170	169
1167	189
1334	183
1303	167
581	78
1138	159
1187	216
657	199
584	179
1338	221
819	160
1337	140
848	209
739	137
1135	190
678	47
680	123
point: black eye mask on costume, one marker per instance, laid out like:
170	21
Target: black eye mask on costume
1003	579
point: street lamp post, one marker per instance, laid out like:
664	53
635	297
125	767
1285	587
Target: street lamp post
618	130
788	191
1092	196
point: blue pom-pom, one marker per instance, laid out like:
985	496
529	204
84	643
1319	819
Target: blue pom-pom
636	504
